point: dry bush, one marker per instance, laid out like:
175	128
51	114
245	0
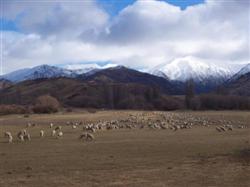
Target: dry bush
91	110
13	109
46	104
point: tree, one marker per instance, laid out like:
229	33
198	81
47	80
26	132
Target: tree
46	104
190	93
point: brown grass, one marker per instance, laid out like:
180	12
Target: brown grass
192	157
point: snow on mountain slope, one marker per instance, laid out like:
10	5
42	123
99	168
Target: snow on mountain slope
243	71
85	68
43	71
182	69
16	75
47	71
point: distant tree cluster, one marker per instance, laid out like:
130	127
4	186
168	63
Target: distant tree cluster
123	96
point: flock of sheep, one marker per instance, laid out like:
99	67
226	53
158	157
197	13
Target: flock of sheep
153	120
23	135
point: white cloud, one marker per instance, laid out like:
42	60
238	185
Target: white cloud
142	35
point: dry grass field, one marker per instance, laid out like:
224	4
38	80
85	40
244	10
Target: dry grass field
195	157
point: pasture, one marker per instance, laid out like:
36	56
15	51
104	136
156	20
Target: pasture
141	154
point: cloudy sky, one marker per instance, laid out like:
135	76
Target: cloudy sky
139	34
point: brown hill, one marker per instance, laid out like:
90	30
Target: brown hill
111	88
4	83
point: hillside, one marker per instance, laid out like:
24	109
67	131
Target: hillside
239	86
110	88
125	75
4	83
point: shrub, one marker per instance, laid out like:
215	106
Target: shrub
46	104
13	109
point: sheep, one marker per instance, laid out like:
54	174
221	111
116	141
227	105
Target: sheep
10	140
53	133
73	126
51	125
9	136
87	136
21	134
58	128
27	137
218	129
60	134
223	128
41	133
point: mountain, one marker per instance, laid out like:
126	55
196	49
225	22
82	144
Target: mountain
238	86
117	87
46	71
243	71
43	71
121	74
206	75
183	69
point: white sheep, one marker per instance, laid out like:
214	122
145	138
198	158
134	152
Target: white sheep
21	134
60	134
9	136
51	125
53	133
41	133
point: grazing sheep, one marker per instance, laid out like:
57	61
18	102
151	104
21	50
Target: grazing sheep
10	140
27	137
41	133
58	128
53	133
87	136
51	125
218	129
60	134
223	128
73	126
9	136
21	134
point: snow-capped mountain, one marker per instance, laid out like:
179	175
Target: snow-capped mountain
43	71
183	69
47	71
243	71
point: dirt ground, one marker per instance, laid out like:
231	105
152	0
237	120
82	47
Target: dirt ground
196	157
